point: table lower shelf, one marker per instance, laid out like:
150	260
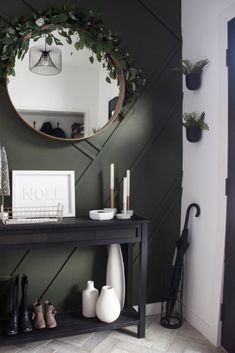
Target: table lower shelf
70	324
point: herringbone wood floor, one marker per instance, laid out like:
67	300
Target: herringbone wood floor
158	340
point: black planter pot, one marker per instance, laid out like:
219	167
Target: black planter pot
193	134
194	80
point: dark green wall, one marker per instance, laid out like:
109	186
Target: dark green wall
147	141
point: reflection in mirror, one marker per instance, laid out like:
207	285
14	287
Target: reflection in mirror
76	103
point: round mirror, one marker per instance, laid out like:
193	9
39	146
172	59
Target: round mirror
64	93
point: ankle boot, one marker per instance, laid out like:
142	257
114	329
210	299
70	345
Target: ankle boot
49	314
25	324
38	317
12	324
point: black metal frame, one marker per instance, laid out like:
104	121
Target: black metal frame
84	232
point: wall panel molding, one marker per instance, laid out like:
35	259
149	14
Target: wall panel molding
148	141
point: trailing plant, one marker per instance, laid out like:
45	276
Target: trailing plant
195	120
106	46
188	67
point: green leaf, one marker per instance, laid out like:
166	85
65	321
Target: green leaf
77	45
59	18
49	40
92	35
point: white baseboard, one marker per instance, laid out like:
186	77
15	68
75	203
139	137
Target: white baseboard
200	324
152	309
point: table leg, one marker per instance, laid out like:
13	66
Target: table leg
143	280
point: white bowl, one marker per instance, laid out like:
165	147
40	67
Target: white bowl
101	215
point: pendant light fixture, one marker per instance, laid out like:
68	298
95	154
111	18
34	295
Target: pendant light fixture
45	60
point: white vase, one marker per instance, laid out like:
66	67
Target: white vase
108	306
89	300
115	275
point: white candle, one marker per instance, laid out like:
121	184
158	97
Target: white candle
128	182
112	176
124	194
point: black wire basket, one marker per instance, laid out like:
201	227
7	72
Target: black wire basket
172	307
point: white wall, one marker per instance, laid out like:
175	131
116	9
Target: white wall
204	27
74	89
106	93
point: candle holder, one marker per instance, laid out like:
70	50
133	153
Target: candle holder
123	216
130	212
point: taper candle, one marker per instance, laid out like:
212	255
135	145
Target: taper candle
124	194
112	185
128	189
112	176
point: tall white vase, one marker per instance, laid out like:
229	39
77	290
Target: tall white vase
108	306
115	275
89	300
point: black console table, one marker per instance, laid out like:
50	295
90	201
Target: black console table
84	232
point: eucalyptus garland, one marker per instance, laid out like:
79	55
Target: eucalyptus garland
108	49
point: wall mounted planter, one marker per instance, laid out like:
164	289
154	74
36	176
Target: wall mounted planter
193	134
193	80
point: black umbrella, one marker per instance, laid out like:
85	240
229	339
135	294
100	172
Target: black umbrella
181	247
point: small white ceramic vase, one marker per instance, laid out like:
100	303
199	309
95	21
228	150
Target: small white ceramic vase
108	306
89	300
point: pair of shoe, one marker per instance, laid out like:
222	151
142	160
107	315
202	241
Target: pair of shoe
19	320
44	315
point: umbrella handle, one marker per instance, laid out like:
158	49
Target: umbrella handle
198	212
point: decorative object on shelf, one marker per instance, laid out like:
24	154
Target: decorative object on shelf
89	300
45	60
101	215
38	316
115	274
171	311
125	214
49	314
19	320
193	73
33	215
112	187
194	124
128	204
4	178
44	188
128	186
108	306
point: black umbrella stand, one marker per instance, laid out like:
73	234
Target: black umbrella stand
171	309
